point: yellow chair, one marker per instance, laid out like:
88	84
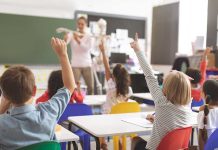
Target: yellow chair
125	107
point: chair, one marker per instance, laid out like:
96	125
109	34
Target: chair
77	110
48	145
176	139
212	142
126	107
197	103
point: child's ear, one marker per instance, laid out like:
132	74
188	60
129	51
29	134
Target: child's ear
34	91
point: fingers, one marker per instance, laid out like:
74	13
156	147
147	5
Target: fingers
53	42
58	41
136	36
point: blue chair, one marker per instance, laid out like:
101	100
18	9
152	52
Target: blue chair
212	142
77	110
197	103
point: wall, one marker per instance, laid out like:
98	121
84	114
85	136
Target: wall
212	23
192	23
26	39
165	33
66	8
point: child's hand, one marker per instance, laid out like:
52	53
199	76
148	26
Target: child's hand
206	52
135	44
150	118
59	46
101	46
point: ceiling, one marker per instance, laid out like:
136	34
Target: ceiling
66	8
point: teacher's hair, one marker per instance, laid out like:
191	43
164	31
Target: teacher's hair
83	18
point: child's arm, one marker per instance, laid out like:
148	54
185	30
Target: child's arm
105	61
203	65
152	82
60	49
57	104
4	106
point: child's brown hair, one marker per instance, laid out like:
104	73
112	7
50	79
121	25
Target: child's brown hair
122	79
17	84
210	89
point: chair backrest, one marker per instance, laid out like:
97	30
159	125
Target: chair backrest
75	110
125	107
212	142
176	139
47	145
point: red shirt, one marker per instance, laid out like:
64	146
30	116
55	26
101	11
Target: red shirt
77	96
196	92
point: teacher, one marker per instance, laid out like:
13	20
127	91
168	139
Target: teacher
80	43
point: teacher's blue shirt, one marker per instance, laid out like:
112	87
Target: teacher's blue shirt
30	124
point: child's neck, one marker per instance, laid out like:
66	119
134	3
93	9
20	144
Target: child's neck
30	101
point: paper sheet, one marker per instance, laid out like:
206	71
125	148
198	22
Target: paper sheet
142	122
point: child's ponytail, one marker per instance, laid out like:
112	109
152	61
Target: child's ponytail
206	112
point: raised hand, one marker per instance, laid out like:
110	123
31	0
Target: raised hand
59	46
135	44
101	46
60	49
207	52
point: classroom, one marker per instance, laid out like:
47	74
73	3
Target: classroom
109	75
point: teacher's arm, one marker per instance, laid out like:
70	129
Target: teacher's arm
85	42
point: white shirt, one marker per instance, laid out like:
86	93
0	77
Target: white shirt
212	122
112	98
81	53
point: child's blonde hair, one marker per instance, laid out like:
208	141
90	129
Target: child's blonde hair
177	88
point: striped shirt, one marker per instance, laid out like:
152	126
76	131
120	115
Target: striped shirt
167	115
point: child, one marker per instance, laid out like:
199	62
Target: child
24	123
199	77
118	82
171	103
118	86
55	82
208	116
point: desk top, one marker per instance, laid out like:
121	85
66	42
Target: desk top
112	124
146	96
109	124
94	100
65	135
